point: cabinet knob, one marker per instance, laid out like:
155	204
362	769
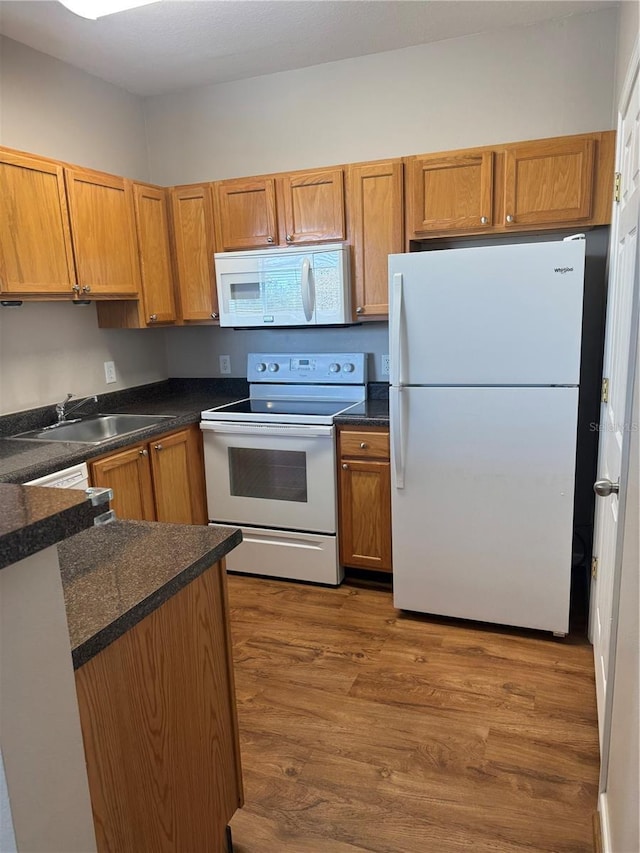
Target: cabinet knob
289	238
86	288
215	315
76	288
510	218
153	318
269	239
157	446
359	309
143	451
345	467
484	220
364	445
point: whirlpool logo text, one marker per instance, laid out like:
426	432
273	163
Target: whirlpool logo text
563	270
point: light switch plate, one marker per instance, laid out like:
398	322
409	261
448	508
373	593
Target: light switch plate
110	372
384	365
225	364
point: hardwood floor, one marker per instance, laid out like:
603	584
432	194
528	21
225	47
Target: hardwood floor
364	729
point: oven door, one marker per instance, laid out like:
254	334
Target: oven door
279	476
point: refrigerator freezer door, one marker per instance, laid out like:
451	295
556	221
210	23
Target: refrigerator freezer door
482	528
494	315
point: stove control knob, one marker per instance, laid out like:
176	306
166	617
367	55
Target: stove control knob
348	367
273	367
261	367
334	368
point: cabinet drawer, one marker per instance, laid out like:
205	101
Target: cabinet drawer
364	444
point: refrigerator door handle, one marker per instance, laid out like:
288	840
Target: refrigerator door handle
398	449
396	324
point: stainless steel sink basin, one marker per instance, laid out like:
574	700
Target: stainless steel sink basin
94	430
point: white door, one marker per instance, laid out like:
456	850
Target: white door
482	524
624	238
490	315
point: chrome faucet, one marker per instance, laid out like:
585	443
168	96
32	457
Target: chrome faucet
63	412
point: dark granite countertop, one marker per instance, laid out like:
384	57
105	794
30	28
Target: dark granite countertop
184	400
32	518
113	576
373	413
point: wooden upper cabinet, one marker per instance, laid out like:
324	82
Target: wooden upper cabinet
178	477
104	234
191	213
450	192
152	223
549	181
35	240
245	215
312	206
376	217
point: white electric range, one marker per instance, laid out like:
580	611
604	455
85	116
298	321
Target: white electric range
271	467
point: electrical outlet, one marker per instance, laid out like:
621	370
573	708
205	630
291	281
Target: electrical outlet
110	372
225	364
385	366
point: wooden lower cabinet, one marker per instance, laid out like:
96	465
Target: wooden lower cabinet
161	480
159	726
364	521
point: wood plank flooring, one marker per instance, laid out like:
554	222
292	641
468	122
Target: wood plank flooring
364	729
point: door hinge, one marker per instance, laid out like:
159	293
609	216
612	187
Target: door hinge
617	188
604	393
594	568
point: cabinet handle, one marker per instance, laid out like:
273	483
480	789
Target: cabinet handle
359	309
76	288
364	445
289	238
345	467
510	218
215	316
157	446
483	220
269	239
153	318
143	451
86	288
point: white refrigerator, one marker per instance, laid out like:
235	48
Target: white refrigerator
485	364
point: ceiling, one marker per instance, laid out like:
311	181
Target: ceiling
176	44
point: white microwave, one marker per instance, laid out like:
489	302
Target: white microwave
284	287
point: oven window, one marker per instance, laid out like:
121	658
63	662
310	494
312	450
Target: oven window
279	475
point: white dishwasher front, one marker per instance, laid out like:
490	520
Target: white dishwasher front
74	477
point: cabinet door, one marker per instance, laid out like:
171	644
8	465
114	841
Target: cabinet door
365	514
376	225
178	477
104	234
549	181
450	192
193	241
312	206
128	473
35	239
246	214
152	224
160	729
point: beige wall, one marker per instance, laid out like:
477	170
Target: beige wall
542	80
48	349
628	34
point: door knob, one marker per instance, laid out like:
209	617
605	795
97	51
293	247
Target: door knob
604	488
143	452
157	446
345	467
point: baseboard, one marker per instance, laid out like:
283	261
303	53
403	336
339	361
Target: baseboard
605	827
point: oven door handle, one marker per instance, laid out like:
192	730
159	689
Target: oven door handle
294	430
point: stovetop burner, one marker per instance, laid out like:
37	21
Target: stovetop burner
311	388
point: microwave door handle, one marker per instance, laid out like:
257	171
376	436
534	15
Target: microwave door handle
308	290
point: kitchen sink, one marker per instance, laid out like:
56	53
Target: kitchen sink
94	430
